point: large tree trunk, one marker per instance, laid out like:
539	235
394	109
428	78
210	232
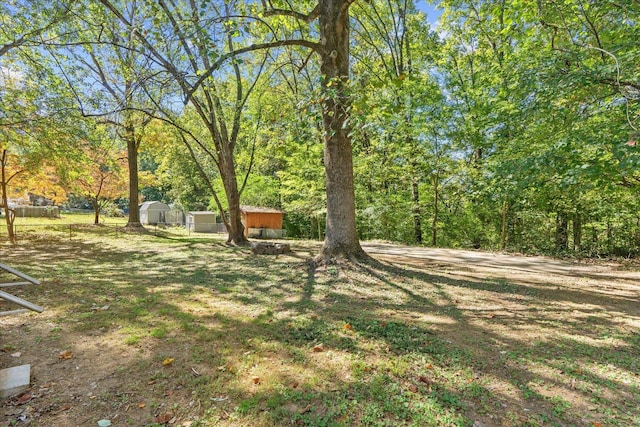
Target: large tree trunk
132	160
341	239
234	225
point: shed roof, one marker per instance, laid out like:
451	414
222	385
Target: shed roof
259	209
152	204
202	213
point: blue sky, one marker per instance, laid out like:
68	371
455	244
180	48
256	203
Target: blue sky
433	13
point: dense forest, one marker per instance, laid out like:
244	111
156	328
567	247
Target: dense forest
498	124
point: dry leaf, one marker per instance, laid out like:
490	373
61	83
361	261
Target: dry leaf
423	379
318	348
164	418
65	407
428	366
141	405
597	425
24	398
413	388
295	385
348	327
168	361
491	316
151	382
306	409
65	355
256	380
383	323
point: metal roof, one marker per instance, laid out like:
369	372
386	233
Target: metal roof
259	209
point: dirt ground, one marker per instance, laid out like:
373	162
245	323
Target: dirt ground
515	302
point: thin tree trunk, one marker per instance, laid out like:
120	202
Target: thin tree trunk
96	211
341	238
417	214
436	197
503	235
8	213
562	235
577	232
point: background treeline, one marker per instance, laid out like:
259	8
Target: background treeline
508	125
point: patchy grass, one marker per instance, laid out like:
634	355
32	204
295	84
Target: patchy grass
184	329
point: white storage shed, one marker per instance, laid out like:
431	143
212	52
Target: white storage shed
152	212
201	221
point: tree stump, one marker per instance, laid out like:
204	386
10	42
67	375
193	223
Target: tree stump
269	248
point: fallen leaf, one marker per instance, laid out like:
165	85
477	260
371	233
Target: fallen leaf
256	380
318	348
413	388
226	368
423	379
168	393
164	418
24	398
428	366
67	354
141	405
597	425
295	384
168	361
65	407
383	323
491	316
347	327
151	382
306	409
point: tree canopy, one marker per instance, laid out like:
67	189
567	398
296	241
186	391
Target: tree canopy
506	124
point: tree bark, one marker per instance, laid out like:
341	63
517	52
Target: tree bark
228	175
8	213
503	235
577	232
417	220
132	163
436	197
562	234
341	239
96	211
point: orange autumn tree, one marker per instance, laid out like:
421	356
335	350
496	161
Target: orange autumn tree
100	173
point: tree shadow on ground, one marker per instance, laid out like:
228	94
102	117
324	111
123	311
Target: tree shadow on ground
414	351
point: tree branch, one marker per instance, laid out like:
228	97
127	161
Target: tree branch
308	18
317	47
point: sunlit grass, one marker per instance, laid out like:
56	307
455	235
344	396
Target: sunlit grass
265	341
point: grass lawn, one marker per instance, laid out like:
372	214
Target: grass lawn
171	329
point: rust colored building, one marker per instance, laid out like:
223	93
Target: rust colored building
261	222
